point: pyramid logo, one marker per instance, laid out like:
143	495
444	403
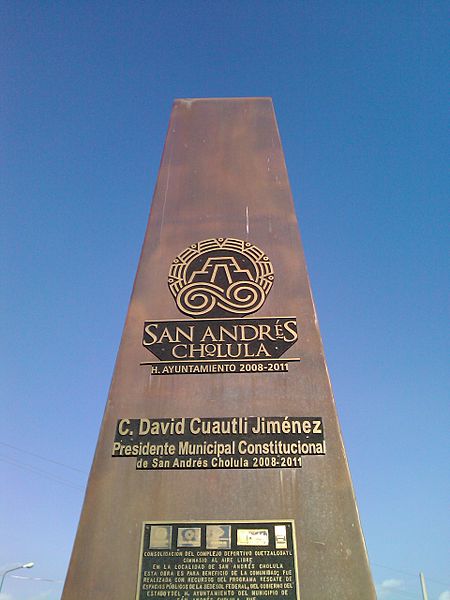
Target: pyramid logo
220	277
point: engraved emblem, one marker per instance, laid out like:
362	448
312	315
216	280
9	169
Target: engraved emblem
220	277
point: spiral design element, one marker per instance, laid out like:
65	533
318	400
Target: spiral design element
241	297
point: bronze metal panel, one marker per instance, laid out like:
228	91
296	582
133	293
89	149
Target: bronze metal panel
222	175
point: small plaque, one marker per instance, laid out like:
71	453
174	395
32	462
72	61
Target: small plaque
218	559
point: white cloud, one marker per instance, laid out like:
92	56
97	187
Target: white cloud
445	595
390	585
4	596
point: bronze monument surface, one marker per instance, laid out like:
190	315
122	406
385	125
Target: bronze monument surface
220	470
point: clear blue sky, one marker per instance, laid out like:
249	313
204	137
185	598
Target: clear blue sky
359	92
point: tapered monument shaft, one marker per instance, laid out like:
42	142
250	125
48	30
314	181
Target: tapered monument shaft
220	470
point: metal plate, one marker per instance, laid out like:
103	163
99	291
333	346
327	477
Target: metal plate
218	559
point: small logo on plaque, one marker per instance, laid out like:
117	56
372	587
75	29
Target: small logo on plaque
252	537
220	277
280	537
189	537
160	536
218	536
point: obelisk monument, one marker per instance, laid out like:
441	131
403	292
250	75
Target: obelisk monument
220	470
